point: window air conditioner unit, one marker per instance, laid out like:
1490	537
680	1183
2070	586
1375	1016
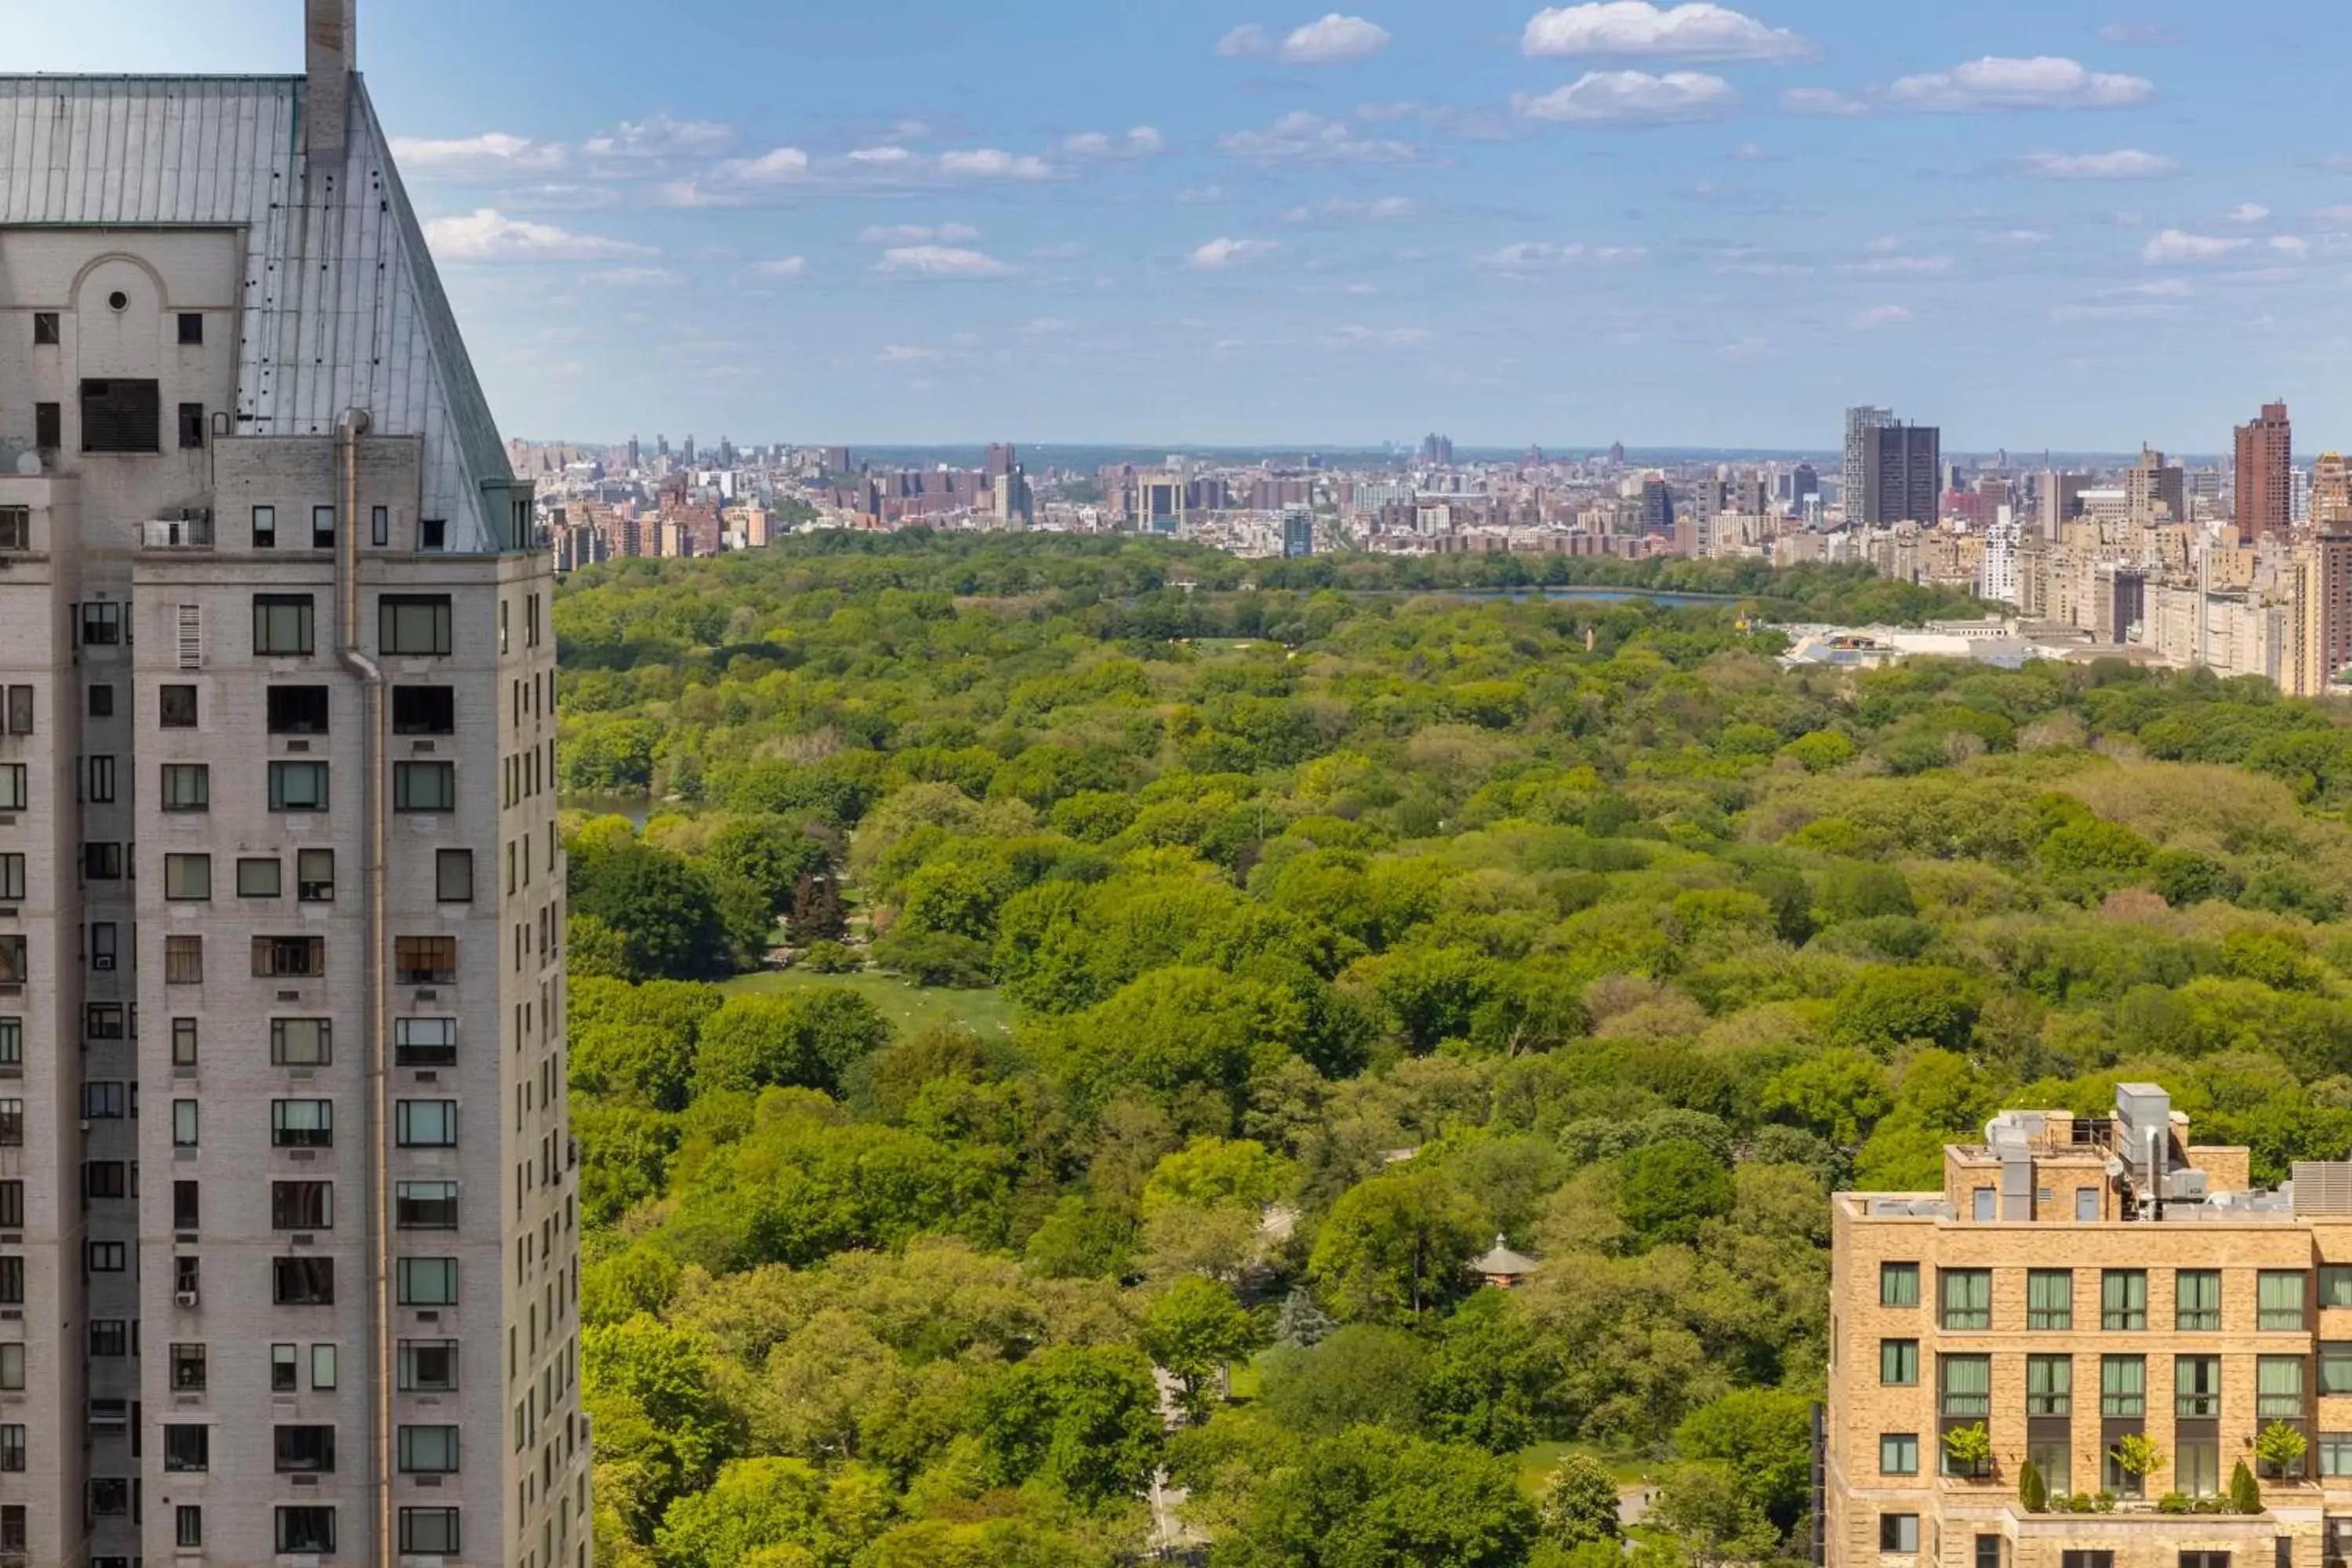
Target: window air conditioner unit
183	1298
103	961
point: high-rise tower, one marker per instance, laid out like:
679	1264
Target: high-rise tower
278	859
2265	452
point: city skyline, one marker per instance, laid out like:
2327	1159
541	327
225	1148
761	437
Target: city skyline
1696	226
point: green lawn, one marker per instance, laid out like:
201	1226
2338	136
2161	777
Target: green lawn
912	1007
1538	1462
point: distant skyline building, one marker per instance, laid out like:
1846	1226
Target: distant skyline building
1000	460
1900	470
1437	451
1297	534
1858	421
2264	463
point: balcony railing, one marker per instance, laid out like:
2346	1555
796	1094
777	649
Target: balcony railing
177	533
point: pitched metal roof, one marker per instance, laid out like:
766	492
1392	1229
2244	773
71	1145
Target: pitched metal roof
342	305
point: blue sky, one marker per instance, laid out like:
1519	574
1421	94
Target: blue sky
2035	221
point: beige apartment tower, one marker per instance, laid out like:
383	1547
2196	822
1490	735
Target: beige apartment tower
2078	1282
288	1255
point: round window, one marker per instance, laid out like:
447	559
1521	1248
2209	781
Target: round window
118	299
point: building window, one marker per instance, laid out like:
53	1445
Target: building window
106	1256
309	1531
424	960
298	709
1898	1453
188	1527
2123	1299
2336	1368
265	528
187	878
12	1449
428	1367
302	1123
2335	1451
187	786
192	425
20	710
12	1126
45	329
1898	1533
177	708
289	957
426	1206
15	528
184	1124
1898	1284
188	1445
2197	1301
322	1367
2279	1298
281	623
2050	1299
188	1369
187	1200
12	1204
2278	1387
424	710
104	948
2336	1287
285	1368
298	786
428	1532
314	876
424	1042
302	1206
259	878
2123	1386
323	528
2049	1385
429	1450
426	1281
2197	1468
184	961
426	1124
432	534
1987	1551
101	772
122	415
1967	1298
379	525
183	1042
12	878
1964	1384
301	1042
105	1179
12	1379
110	1496
413	624
2195	1386
453	871
424	786
13	793
101	701
303	1281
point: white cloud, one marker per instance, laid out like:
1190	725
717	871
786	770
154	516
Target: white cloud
1900	267
1746	348
782	269
1343	209
2123	163
2290	245
659	136
487	234
1751	153
1248	41
1382	337
636	278
1698	31
1334	40
939	261
1994	82
1046	327
2173	245
1632	98
916	234
492	152
779	165
1141	143
995	164
2248	212
1822	100
2016	238
2163	289
879	157
1881	316
902	353
1221	253
1533	255
1301	137
1885	244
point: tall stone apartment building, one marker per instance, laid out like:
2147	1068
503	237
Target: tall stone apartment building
2078	1281
288	1256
